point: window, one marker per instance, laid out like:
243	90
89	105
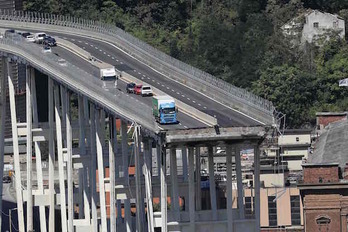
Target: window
297	139
272	211
249	212
323	223
295	210
316	25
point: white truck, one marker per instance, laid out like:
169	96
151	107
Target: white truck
106	72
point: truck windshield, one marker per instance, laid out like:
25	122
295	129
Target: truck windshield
168	110
109	78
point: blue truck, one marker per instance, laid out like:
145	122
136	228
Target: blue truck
164	109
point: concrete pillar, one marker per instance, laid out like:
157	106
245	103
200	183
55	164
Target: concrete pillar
239	184
112	175
158	154
229	188
69	161
124	151
51	158
127	215
174	182
93	168
198	179
38	152
15	149
29	150
212	183
257	186
119	212
191	189
2	125
99	135
138	174
184	163
60	159
148	182
163	174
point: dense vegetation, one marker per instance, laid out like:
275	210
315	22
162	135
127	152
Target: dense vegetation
239	41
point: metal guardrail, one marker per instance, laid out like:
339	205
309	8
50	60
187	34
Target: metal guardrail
211	86
81	82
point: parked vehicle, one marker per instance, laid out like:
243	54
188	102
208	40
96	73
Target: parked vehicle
137	89
6	179
146	91
130	87
47	49
50	41
164	110
39	37
9	33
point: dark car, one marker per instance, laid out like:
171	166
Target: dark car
6	179
50	41
130	87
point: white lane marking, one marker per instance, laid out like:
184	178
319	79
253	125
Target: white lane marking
183	95
113	58
178	93
162	85
135	70
180	123
205	107
96	47
100	50
84	48
158	83
104	53
108	55
121	62
188	99
173	90
80	41
72	39
91	45
199	104
185	127
86	43
148	78
167	87
144	75
139	73
193	101
153	80
142	78
117	60
64	38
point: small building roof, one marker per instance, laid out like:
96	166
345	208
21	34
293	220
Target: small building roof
332	145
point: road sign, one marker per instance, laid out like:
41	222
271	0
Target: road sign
343	82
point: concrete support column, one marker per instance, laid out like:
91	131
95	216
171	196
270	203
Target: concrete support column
257	187
239	184
163	156
15	149
124	145
127	215
37	151
229	188
112	174
212	183
51	158
69	162
191	189
99	139
174	182
93	168
60	159
148	182
198	179
2	125
184	163
29	149
138	174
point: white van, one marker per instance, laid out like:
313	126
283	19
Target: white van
39	37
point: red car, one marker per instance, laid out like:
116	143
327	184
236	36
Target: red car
137	89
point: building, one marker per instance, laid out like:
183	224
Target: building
314	26
11	5
324	188
325	118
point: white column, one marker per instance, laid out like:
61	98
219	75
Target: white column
158	154
60	160
148	183
2	125
198	180
163	188
229	188
38	152
212	183
127	215
83	200
93	168
174	182
191	181
15	149
239	183
112	175
51	159
99	140
29	150
138	189
257	186
184	163
69	162
124	151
